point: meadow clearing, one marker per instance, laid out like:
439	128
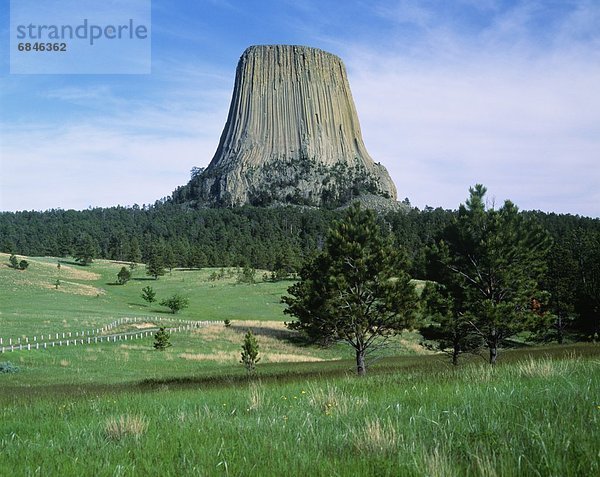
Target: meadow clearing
126	409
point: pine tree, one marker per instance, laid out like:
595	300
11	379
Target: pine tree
123	276
85	249
14	261
250	351
155	266
357	290
162	339
148	294
495	260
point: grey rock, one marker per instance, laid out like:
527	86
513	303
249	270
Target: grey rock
292	136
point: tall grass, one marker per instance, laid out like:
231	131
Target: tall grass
413	421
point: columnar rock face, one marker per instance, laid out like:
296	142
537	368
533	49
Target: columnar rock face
292	136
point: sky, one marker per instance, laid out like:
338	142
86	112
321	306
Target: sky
449	93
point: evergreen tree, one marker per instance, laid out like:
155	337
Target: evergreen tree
148	294
250	351
449	328
14	261
162	339
85	249
123	276
496	259
135	253
155	266
356	291
588	295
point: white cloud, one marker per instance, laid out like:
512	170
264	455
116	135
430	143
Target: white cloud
520	117
128	151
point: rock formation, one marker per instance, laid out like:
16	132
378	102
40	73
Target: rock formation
292	136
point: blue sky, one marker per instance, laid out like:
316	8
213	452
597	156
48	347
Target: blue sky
449	94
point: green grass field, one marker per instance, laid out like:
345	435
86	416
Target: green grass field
125	409
88	297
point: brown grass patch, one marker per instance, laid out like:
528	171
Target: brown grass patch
74	288
117	428
287	358
219	356
376	437
143	326
272	337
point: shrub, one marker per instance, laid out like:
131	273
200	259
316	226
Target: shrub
175	303
8	368
14	261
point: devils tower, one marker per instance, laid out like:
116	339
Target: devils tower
292	136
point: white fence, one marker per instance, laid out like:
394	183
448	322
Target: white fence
98	335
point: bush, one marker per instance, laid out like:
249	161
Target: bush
8	368
175	303
247	275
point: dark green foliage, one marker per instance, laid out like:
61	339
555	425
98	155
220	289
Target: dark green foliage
448	327
85	249
175	303
148	294
8	368
162	339
261	237
13	261
123	276
357	290
246	275
135	253
227	323
23	264
155	266
588	297
250	351
495	260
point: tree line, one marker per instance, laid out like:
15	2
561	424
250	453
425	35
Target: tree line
284	238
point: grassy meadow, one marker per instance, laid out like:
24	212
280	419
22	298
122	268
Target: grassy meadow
124	409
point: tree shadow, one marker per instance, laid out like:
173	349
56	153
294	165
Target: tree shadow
290	336
72	262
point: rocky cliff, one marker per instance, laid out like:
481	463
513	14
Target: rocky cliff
292	136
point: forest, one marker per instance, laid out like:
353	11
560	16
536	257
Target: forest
283	238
